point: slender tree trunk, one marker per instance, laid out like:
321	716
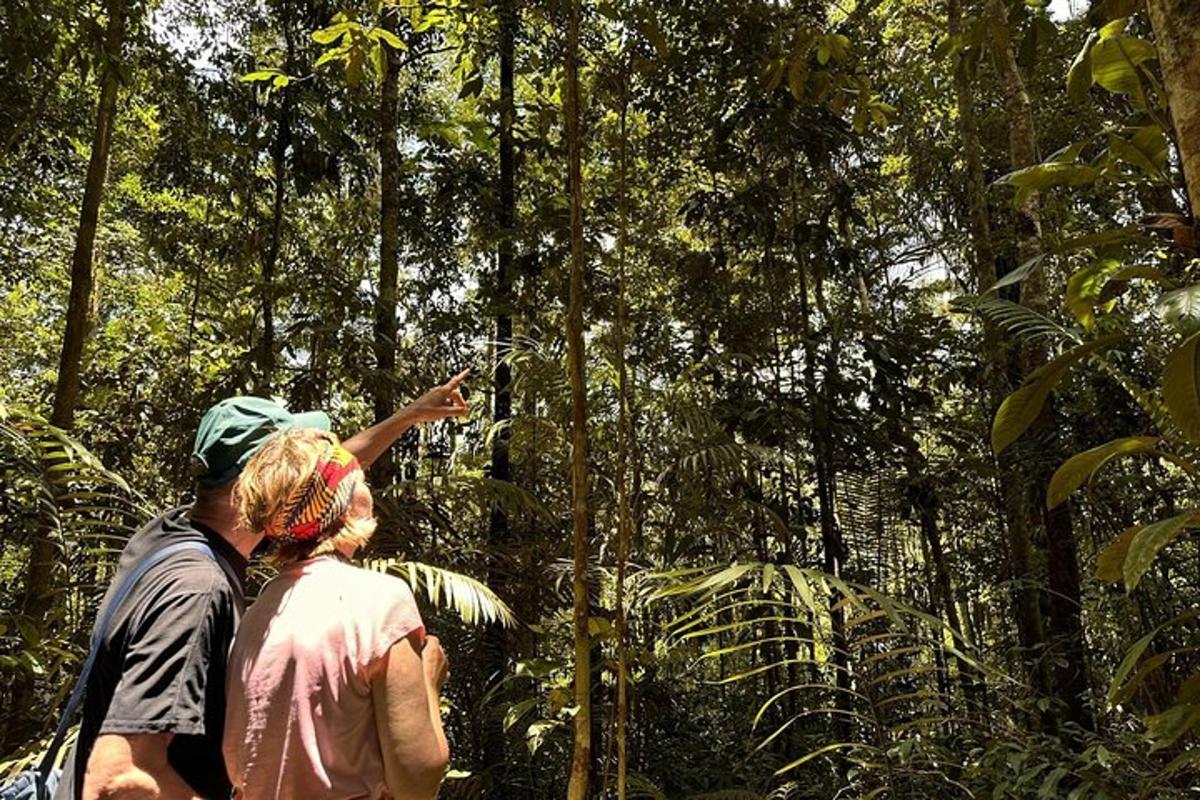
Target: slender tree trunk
1176	26
279	148
66	392
581	757
499	531
624	527
1030	631
1069	681
832	545
37	592
389	242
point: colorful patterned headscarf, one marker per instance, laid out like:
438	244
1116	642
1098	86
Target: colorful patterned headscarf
316	507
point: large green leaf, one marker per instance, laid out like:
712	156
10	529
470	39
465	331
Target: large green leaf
1079	76
1150	540
1021	408
1115	63
1181	392
1168	727
1110	563
1079	468
1047	175
1119	281
1181	309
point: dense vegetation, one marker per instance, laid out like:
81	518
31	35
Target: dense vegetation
836	416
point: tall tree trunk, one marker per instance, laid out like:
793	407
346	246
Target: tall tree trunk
37	592
1176	26
624	523
499	531
279	148
389	241
1030	631
1069	681
581	757
66	391
832	546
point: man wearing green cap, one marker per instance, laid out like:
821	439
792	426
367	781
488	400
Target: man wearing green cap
155	704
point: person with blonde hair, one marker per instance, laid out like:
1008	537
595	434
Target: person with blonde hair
333	686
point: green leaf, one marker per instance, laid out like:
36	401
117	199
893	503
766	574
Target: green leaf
1168	727
389	38
330	55
1115	60
1111	561
1113	28
1149	541
1119	281
260	75
1135	653
332	33
1100	239
820	751
1181	309
1048	175
1079	76
1181	393
1081	467
1021	408
1085	287
797	75
1016	275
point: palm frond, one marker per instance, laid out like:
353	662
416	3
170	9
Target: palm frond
1018	321
473	601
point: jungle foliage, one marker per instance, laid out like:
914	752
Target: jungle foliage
836	393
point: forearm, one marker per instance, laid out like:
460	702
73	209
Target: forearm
409	725
133	768
369	444
435	718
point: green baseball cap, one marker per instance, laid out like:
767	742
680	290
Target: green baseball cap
233	429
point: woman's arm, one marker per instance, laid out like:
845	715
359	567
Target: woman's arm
404	691
438	403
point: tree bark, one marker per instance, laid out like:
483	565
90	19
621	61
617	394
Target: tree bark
279	148
581	757
832	546
624	527
1069	682
384	343
1176	26
66	392
499	531
38	589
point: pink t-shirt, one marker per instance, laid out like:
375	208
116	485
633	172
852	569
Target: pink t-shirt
299	722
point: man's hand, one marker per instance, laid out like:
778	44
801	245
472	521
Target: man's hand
433	661
440	402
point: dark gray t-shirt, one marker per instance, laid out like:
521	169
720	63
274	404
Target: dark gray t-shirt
161	667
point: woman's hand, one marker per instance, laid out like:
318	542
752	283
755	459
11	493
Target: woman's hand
440	402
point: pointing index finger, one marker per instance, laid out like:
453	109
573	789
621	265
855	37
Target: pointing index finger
457	379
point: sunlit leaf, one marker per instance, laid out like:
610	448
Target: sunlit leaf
1021	408
1080	468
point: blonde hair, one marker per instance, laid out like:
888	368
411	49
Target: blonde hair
271	476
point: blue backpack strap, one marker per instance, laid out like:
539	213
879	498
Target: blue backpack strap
98	634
